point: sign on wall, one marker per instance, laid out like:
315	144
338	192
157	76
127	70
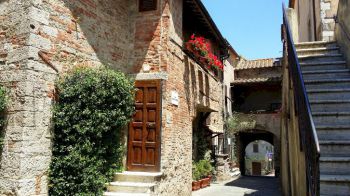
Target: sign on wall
175	98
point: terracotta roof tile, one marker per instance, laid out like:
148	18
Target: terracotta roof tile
257	80
258	63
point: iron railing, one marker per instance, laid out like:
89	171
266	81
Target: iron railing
309	142
342	27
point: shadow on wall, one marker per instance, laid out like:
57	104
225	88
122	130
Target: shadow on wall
110	32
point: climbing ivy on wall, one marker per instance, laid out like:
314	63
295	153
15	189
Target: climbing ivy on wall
3	102
93	107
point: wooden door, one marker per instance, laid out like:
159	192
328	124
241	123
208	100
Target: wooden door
256	167
144	130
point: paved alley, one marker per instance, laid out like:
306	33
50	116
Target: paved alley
243	186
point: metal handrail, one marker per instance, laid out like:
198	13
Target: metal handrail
342	27
307	131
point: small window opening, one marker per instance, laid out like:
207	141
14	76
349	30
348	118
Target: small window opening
255	148
147	5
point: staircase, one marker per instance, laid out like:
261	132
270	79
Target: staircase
327	80
133	184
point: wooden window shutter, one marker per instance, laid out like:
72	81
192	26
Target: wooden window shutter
147	5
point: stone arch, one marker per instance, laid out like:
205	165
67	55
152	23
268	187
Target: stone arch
243	138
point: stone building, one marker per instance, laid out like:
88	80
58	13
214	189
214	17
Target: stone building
314	20
258	159
315	126
42	39
256	91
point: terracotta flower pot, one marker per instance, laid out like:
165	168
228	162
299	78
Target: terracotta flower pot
210	177
205	182
196	185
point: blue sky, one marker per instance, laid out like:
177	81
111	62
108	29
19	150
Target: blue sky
253	27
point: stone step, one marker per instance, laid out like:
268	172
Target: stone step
125	194
323	66
327	83
326	74
333	132
334	165
336	148
317	44
331	117
335	185
322	58
318	51
131	187
329	105
329	93
147	177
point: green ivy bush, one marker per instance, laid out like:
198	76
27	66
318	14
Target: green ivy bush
93	107
3	102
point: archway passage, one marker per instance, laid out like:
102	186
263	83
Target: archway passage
243	139
259	159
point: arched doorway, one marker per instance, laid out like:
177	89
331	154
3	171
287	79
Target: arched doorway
245	138
259	156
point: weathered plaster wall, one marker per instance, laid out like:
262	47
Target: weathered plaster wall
315	21
306	25
229	76
293	167
342	29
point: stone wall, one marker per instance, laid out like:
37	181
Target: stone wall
329	9
26	154
342	28
41	39
269	123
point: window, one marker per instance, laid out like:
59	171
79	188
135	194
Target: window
200	80
147	5
255	148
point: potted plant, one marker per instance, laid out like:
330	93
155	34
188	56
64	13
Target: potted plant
196	184
201	50
205	169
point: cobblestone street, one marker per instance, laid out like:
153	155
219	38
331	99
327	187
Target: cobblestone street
243	186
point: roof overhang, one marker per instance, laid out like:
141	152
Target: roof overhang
203	108
255	81
215	130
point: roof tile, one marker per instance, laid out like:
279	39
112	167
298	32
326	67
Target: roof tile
258	63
